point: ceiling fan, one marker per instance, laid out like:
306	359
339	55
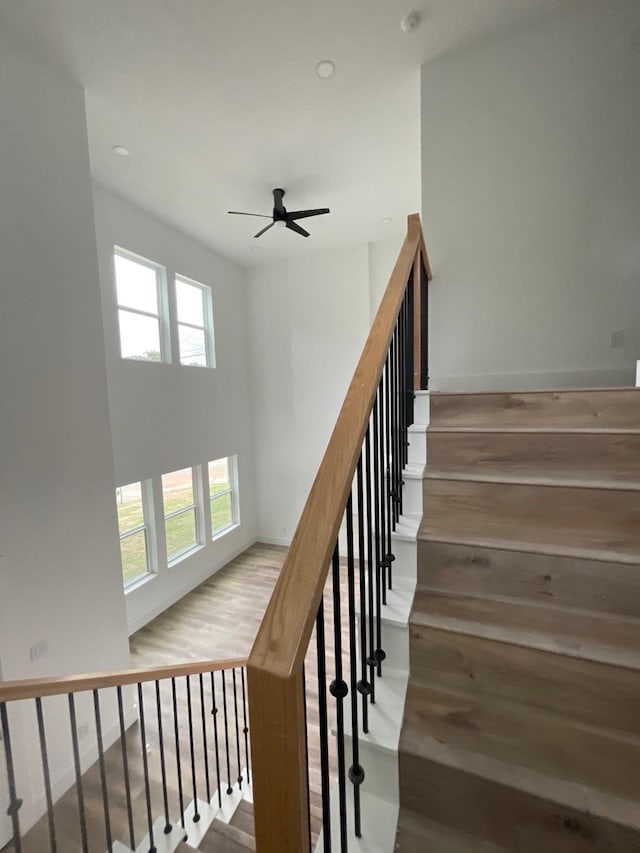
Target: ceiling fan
281	216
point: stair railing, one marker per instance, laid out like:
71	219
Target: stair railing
158	747
358	487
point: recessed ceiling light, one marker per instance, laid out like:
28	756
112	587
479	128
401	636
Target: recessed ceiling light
387	220
325	69
121	150
410	22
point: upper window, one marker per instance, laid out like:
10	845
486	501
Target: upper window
180	512
195	323
133	501
140	307
222	495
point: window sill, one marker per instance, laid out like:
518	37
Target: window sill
184	555
138	584
224	531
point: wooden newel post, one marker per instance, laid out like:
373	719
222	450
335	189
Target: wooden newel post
279	762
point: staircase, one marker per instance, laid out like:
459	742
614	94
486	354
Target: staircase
522	720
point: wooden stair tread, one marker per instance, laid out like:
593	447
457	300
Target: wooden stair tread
598	523
243	818
614	408
530	750
594	693
420	834
530	475
530	546
548	579
500	429
225	838
599	637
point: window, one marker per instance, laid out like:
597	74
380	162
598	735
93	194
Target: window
180	515
140	297
133	502
222	495
195	323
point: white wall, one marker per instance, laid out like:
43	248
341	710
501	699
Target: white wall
531	203
166	416
59	559
309	318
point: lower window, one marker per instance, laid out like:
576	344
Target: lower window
132	502
180	515
223	494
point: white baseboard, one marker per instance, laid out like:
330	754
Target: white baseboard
274	540
612	377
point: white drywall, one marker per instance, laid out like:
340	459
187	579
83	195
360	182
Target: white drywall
531	203
309	318
167	416
60	588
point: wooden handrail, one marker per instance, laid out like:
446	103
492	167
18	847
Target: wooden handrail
284	634
275	666
55	686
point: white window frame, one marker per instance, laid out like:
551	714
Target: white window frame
195	507
207	328
146	491
163	305
232	463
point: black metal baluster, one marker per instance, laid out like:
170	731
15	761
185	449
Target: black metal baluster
235	711
145	770
14	802
393	482
176	734
204	739
409	353
378	654
397	448
194	786
389	556
46	775
339	691
424	324
163	767
356	772
226	731
405	381
324	729
245	727
364	688
103	774
382	502
306	748
78	772
214	714
371	661
125	768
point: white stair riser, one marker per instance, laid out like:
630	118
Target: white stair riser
381	771
417	447
406	556
421	408
412	496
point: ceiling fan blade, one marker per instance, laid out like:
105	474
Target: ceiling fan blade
293	227
242	213
303	214
278	205
260	233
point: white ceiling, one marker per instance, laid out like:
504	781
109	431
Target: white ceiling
218	102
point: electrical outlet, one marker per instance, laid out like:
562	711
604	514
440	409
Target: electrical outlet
83	730
617	339
38	650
